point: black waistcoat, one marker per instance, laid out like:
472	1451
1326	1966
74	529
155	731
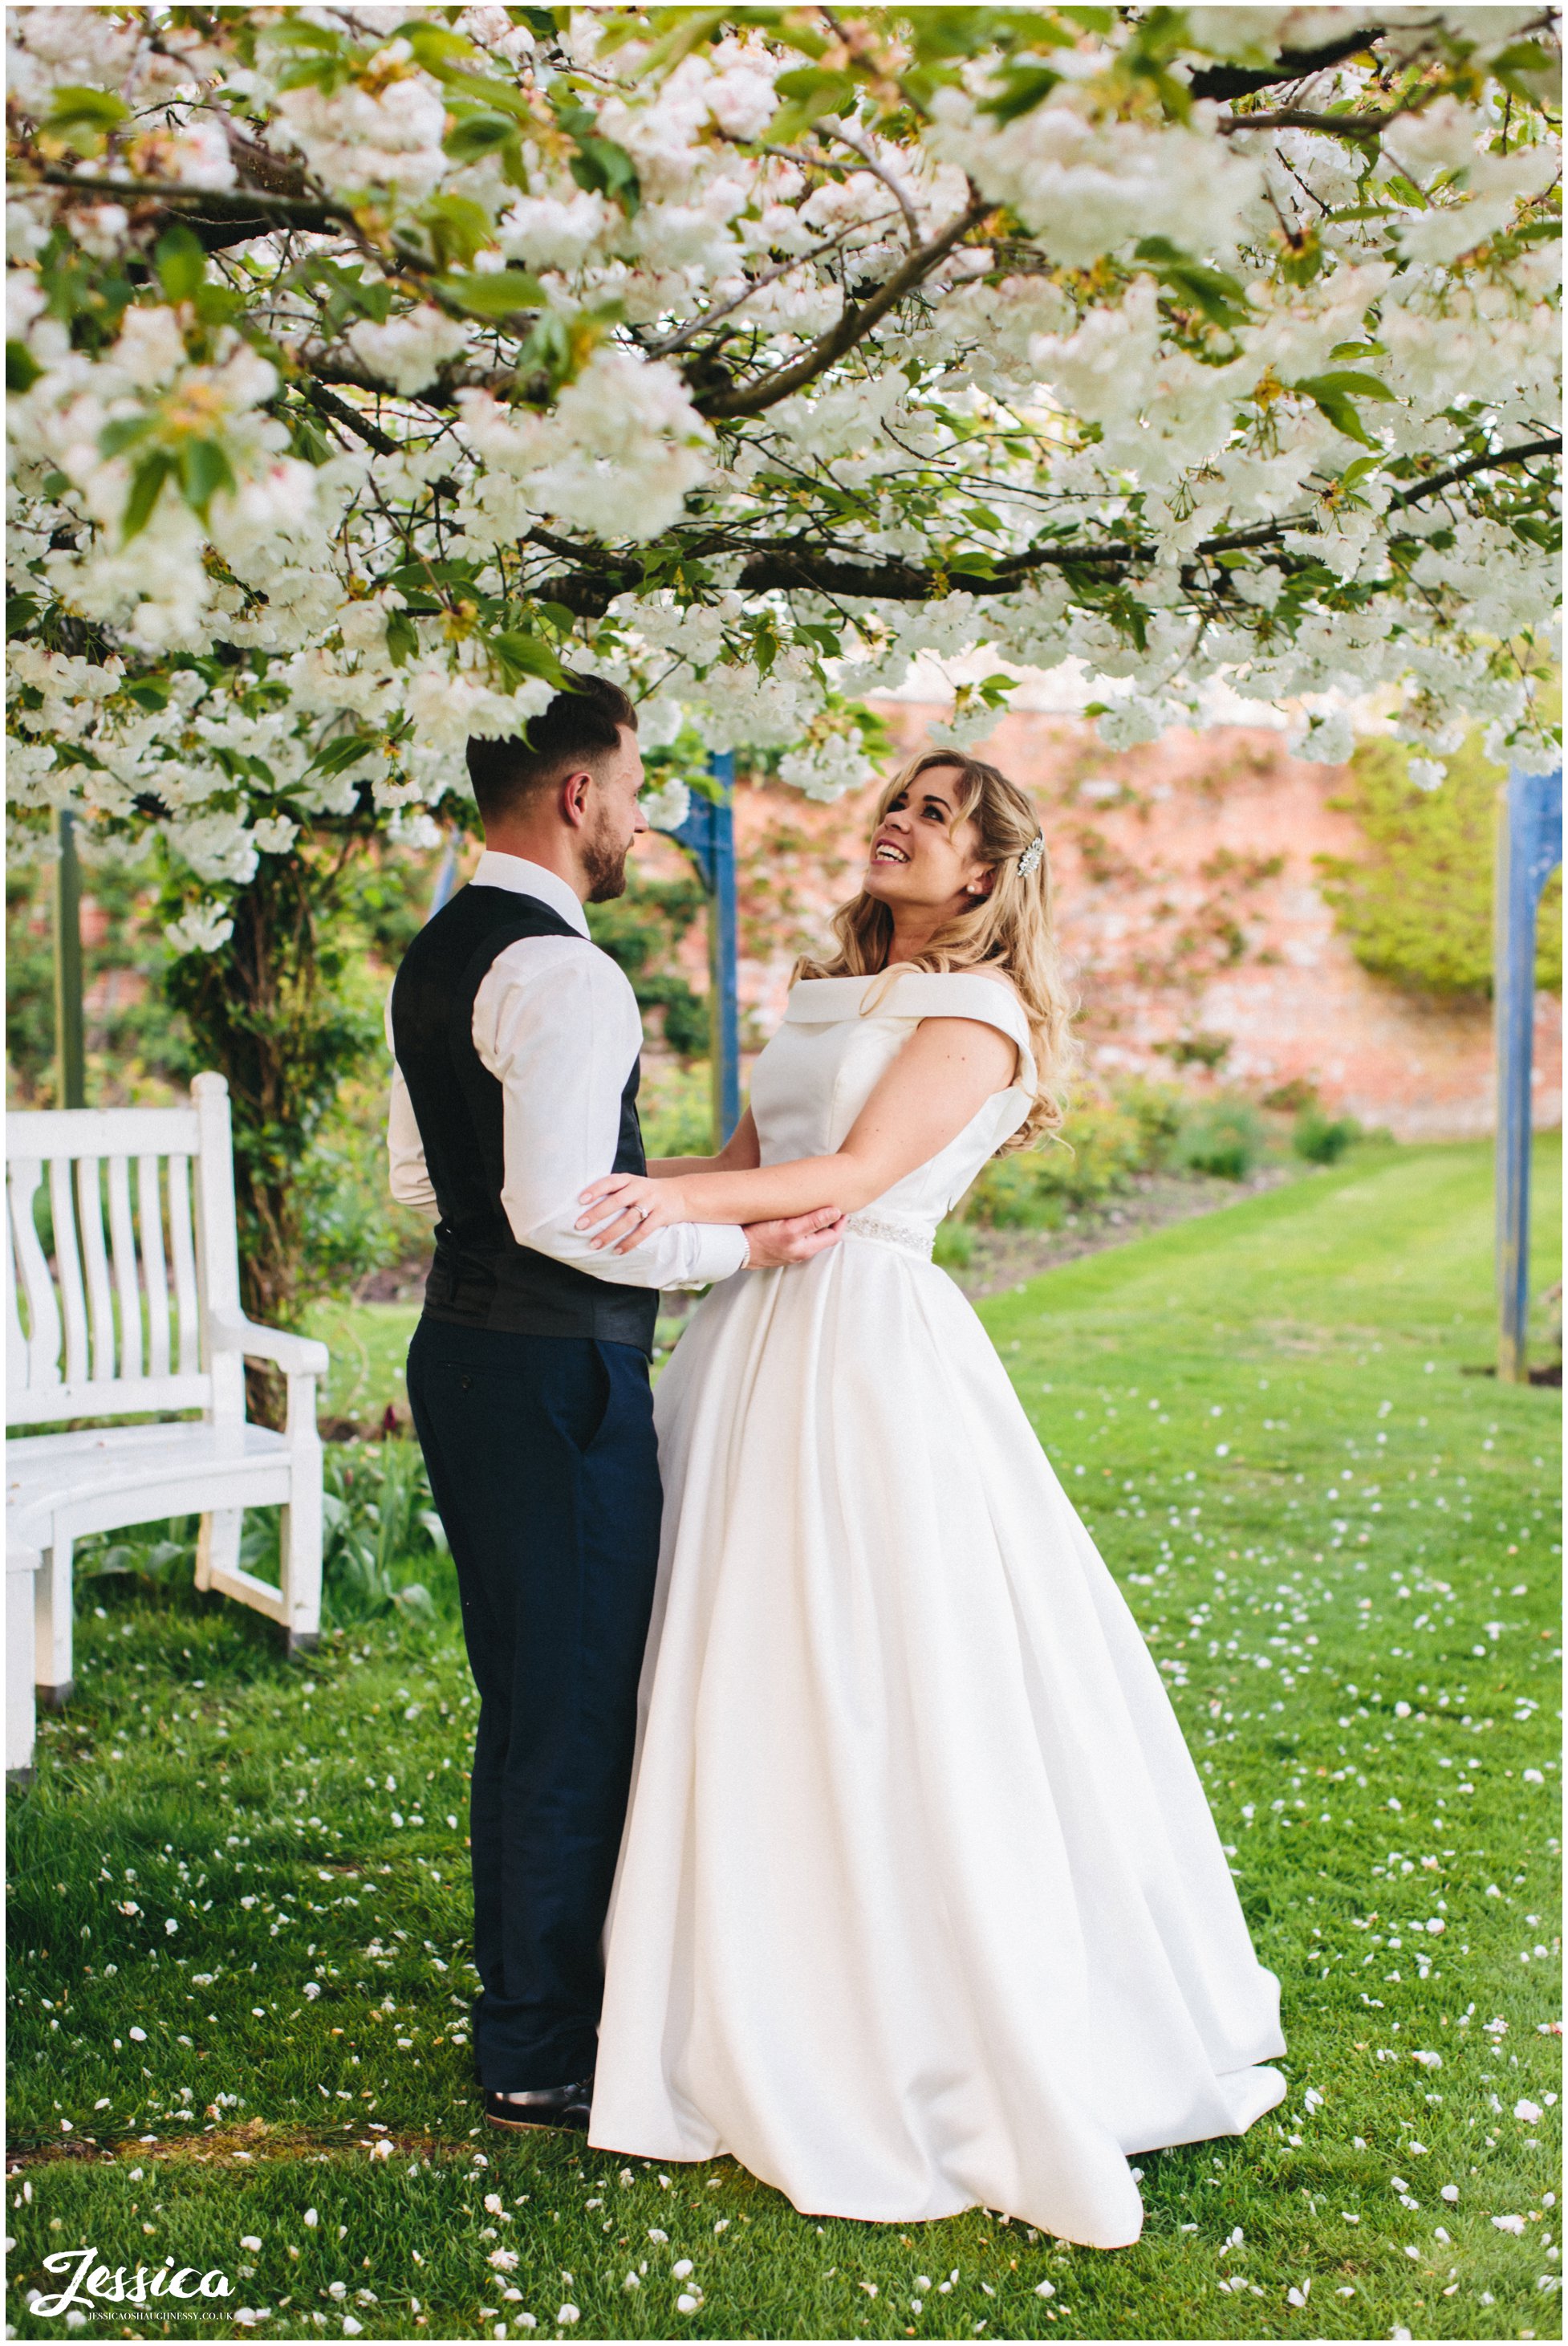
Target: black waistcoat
481	1278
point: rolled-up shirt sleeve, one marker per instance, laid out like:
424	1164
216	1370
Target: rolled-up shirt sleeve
557	1023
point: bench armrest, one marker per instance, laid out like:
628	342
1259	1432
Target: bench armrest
295	1355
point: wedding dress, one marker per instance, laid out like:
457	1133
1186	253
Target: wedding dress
919	1904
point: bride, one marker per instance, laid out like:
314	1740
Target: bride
919	1904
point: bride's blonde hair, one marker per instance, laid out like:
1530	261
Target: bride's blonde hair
1012	929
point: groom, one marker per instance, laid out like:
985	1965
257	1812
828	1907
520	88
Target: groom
516	1042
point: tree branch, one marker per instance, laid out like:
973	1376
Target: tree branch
339	410
1297	117
326	366
213	206
856	322
1226	82
786	566
1412	496
912	218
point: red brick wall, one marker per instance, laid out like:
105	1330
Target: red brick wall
1188	907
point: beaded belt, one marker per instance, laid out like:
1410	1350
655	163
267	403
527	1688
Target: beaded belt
907	1235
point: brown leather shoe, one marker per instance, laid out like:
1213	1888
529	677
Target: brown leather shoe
558	2109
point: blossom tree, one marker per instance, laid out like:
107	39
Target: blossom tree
369	365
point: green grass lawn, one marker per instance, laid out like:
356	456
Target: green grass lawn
239	1910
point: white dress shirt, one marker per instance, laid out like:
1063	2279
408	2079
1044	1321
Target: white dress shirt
557	1023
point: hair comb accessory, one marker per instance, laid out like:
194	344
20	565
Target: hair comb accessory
1031	855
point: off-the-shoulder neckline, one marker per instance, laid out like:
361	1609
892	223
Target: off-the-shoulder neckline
898	975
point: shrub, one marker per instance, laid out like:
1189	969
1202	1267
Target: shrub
381	1522
1223	1136
1293	1098
1416	907
642	930
1322	1140
675	1105
350	1223
1103	1144
954	1248
1012	1194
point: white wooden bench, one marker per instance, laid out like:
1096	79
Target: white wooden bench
134	1313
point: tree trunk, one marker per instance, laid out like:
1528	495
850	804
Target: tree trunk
264	1011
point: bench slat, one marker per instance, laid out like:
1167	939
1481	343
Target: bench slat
154	1271
16	1342
182	1247
37	1287
68	1269
120	1397
94	1256
123	1239
100	1132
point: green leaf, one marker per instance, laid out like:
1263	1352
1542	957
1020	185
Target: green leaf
307	440
123	433
147	484
180	262
1340	413
476	134
411	577
493	293
458	227
433	45
151	692
85	116
348	749
22	369
1023	87
1358	350
204	469
1221	297
296	32
1348	385
402	638
821	87
216	304
606	169
486	91
517	655
21	611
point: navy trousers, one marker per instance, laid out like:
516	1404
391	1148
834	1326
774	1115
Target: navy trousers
544	1465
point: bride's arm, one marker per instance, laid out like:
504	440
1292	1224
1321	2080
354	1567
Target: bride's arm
739	1152
942	1076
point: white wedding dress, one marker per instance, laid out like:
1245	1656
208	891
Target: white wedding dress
920	1904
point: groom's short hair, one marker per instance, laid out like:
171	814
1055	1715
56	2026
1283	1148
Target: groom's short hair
583	724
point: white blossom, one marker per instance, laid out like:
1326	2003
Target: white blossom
650	465
202	929
409	352
666	808
385	130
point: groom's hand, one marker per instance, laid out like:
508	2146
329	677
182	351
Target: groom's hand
772	1245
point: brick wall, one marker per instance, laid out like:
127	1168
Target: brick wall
1189	911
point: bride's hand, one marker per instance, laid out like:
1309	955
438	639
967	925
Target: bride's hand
625	1207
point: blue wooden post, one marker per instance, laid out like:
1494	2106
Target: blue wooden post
1529	849
708	834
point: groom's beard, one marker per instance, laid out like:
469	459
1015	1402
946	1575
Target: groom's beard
606	869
